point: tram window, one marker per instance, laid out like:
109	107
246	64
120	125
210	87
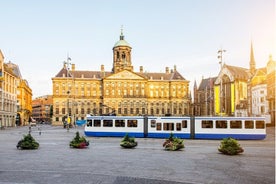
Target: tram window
260	124
107	123
131	123
184	123
178	126
207	124
221	124
235	124
168	126
152	123
89	122
120	123
158	126
249	124
97	123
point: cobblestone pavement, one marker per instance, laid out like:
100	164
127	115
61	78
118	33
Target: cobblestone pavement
105	162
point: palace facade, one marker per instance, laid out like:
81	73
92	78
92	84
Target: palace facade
121	91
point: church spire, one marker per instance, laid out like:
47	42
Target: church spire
252	60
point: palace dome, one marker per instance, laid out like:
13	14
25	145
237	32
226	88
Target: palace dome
122	41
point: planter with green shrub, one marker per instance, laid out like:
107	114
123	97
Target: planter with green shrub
128	142
28	142
230	146
79	142
173	143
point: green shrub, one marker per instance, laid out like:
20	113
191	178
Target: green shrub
128	142
28	142
79	142
173	143
230	146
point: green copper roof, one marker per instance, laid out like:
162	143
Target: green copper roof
122	41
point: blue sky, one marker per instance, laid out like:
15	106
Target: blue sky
38	35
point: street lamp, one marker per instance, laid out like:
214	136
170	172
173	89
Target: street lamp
67	65
220	52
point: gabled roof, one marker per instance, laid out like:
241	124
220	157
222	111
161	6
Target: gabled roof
259	77
238	72
207	83
1	55
125	74
177	76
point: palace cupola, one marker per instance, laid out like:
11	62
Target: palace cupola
122	55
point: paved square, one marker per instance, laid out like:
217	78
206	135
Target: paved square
106	162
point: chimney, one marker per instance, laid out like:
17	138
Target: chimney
102	68
73	67
167	70
141	69
174	68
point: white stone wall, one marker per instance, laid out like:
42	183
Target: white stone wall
259	102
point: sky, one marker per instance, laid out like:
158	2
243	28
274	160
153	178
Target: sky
39	35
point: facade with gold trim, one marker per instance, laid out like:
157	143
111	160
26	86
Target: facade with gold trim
24	103
7	95
24	96
121	91
15	96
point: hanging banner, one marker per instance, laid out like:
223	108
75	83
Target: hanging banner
217	99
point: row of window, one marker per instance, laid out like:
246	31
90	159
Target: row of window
168	126
109	123
94	86
220	124
235	124
121	111
113	104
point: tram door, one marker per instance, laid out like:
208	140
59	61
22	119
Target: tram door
145	126
192	127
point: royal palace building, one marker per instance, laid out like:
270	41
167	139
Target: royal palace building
121	91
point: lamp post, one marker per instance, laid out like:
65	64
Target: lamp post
220	52
67	65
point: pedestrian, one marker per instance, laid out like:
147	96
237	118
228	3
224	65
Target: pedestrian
39	129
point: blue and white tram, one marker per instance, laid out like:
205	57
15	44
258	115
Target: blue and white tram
182	127
114	126
162	127
235	127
